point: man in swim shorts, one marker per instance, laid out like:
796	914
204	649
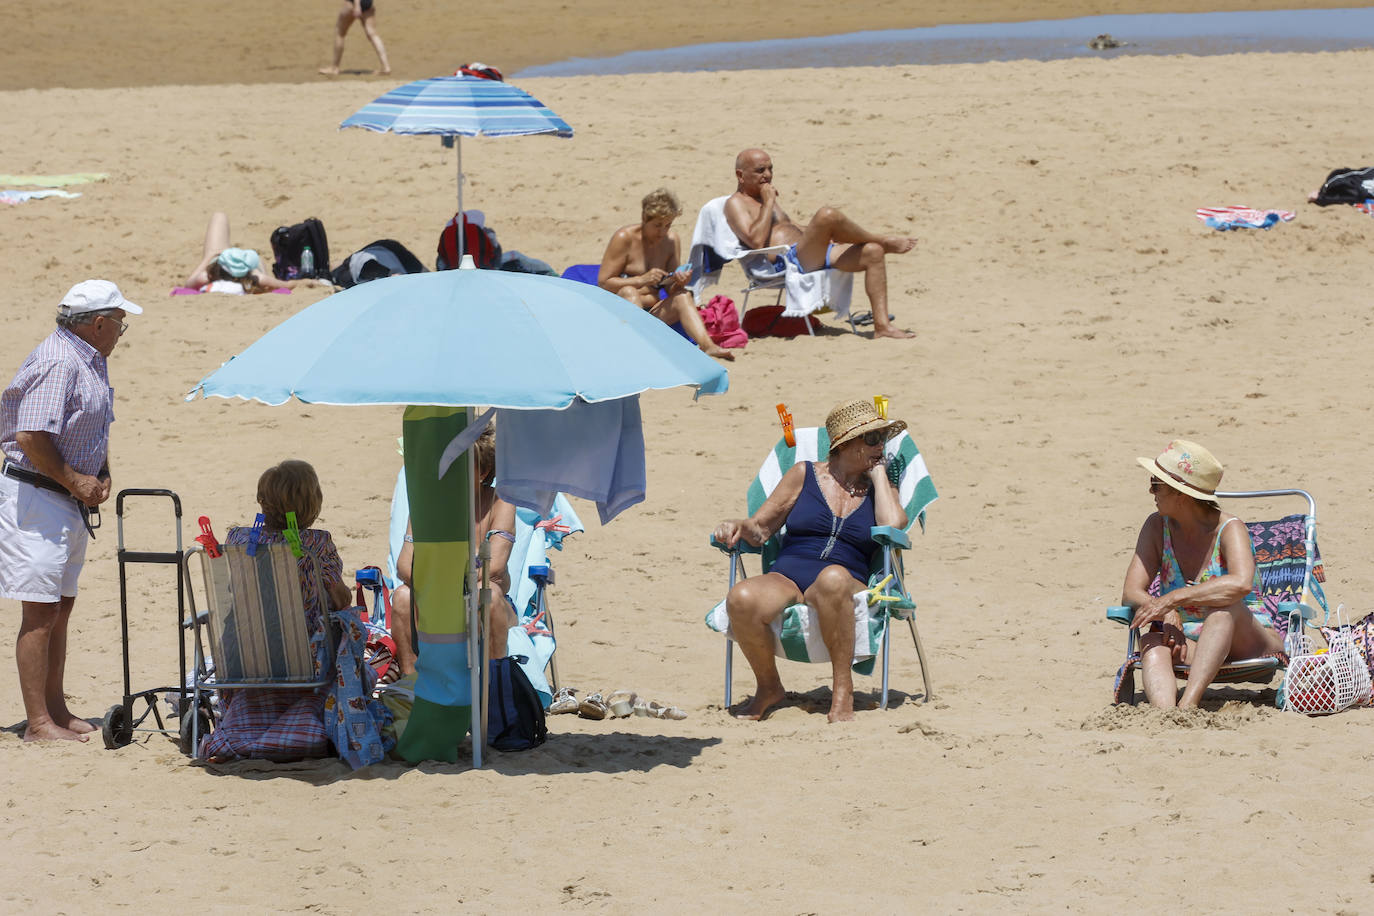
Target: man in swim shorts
55	433
830	239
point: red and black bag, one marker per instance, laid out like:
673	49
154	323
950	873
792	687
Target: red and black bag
478	241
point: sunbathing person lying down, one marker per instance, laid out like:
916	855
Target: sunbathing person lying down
226	269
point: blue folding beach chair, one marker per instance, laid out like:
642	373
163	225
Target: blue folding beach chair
797	636
1291	573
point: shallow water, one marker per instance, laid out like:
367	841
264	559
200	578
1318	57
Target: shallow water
1155	33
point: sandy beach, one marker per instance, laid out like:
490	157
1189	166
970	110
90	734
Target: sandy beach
1071	314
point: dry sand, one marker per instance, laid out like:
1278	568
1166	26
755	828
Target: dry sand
1072	314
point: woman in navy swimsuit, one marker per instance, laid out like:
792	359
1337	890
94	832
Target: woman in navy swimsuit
828	508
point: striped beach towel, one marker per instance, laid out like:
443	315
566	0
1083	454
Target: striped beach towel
797	634
1224	218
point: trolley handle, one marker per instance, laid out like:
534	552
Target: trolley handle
136	491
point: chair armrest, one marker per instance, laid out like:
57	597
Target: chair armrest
888	536
741	547
1120	613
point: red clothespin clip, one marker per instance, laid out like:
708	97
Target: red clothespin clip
207	537
552	524
789	434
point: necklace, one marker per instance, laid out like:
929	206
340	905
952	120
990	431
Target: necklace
857	489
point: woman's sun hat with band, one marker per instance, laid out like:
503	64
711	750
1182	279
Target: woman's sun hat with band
1188	468
238	262
853	419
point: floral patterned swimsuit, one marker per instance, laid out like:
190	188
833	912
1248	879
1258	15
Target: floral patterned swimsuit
1171	578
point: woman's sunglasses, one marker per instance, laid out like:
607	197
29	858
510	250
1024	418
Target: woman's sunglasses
874	437
1156	484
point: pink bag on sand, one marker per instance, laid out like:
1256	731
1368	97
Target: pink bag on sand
722	322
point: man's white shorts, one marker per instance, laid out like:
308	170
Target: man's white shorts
42	543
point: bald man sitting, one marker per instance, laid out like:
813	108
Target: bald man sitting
831	239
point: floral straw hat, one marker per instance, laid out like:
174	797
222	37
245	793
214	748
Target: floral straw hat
1188	468
854	418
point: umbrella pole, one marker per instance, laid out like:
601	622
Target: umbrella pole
458	145
477	631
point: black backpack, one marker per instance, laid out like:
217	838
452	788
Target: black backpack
290	242
515	713
1346	186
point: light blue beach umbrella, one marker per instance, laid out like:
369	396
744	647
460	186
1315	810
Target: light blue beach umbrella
465	337
454	339
459	106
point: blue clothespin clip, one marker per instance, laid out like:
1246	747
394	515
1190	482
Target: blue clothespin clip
293	535
256	534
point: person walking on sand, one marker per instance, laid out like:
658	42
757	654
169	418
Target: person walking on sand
366	11
55	433
757	220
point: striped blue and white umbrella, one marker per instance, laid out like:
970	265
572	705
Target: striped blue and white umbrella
459	106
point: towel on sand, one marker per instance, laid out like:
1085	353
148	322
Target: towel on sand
1224	218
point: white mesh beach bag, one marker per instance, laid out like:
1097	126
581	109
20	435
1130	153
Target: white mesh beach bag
1318	682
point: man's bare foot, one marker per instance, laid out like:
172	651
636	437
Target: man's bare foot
50	731
719	352
898	244
329	71
74	723
899	333
760	705
385	72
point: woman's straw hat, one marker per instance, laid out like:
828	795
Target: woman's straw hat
852	419
1188	468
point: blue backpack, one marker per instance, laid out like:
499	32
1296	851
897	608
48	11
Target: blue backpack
515	713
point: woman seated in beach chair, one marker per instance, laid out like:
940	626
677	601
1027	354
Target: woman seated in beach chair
286	724
829	508
226	269
1208	609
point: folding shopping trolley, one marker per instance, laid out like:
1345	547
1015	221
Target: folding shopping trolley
122	719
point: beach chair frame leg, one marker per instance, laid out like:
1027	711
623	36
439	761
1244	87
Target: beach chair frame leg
887	644
921	657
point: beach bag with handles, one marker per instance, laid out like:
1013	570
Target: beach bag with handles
1319	683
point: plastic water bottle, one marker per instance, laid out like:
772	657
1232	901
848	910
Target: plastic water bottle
307	262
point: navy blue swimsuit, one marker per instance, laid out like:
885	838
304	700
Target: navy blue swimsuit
816	539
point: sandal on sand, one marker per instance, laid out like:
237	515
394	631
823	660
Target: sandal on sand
621	703
593	707
658	711
564	701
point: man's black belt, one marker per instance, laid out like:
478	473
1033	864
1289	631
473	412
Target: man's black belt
90	515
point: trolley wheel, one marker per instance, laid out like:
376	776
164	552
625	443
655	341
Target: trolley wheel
203	728
117	729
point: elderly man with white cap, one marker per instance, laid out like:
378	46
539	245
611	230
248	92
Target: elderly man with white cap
55	432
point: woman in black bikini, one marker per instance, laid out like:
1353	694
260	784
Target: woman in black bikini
361	10
828	507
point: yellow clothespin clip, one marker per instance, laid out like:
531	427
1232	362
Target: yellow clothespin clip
875	592
880	402
789	434
293	535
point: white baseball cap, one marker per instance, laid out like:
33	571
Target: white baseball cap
96	296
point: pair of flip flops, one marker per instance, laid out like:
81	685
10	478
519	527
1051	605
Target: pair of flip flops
619	704
866	318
